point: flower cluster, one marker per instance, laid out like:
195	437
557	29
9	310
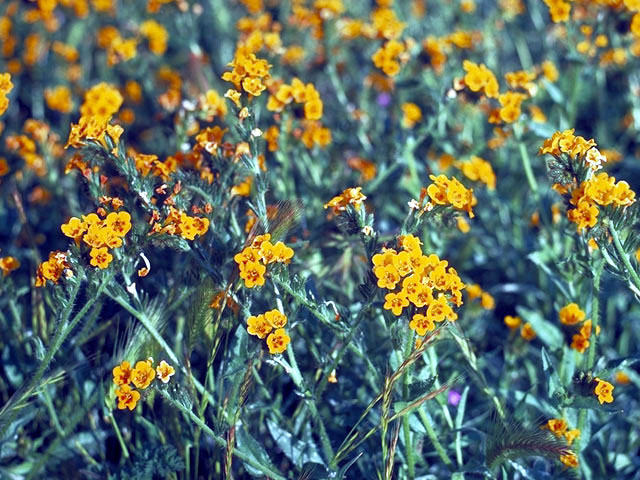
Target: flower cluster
297	92
270	325
572	316
597	190
478	169
350	196
480	78
101	102
560	428
142	375
178	222
53	268
445	191
424	281
388	57
253	260
248	72
5	87
99	234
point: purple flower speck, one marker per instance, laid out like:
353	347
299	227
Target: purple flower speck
384	99
454	397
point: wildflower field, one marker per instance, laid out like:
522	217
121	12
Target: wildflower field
319	239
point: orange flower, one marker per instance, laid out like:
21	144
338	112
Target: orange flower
258	326
127	398
122	373
143	374
278	341
119	222
8	264
100	257
604	391
527	332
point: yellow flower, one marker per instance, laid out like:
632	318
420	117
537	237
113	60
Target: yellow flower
421	324
622	378
258	326
8	264
253	274
412	114
439	310
165	371
571	435
395	302
512	322
59	99
527	332
127	398
278	341
570	460
143	374
275	318
122	373
571	314
156	34
557	426
100	257
580	343
604	391
119	222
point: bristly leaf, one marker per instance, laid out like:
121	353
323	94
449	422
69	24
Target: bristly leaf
511	440
200	314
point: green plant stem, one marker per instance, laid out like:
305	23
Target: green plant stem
297	378
433	436
221	442
123	445
63	331
633	275
528	171
591	353
406	428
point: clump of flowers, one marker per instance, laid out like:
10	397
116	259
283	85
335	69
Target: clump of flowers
298	92
560	428
350	196
248	72
270	325
179	223
526	330
389	56
99	234
480	79
423	283
411	114
253	259
449	191
478	169
486	299
142	375
572	154
573	317
53	268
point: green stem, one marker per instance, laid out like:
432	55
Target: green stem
632	274
61	335
221	442
433	437
591	353
123	445
528	171
405	420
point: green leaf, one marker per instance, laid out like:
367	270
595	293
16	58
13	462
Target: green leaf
298	451
546	331
554	385
256	452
